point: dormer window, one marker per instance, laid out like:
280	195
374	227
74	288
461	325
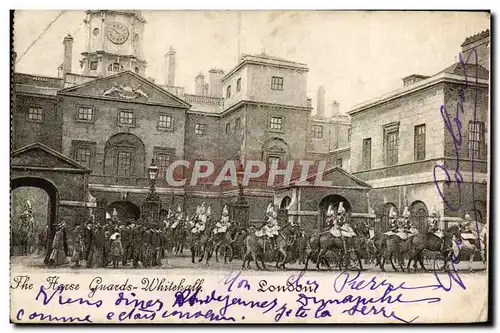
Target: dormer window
228	92
116	67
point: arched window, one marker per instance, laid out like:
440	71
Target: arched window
285	202
419	214
116	67
124	155
136	70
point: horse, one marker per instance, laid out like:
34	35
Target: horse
199	242
429	241
222	241
256	248
327	242
472	247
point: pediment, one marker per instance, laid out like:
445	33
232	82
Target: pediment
126	86
38	155
339	178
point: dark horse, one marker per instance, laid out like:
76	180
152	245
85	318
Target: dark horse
326	241
429	241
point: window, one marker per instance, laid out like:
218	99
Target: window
124	163
163	161
476	139
85	113
93	65
165	121
126	117
35	113
228	92
338	163
276	83
82	156
391	143
237	124
349	135
116	67
273	159
136	70
392	147
419	142
238	85
201	129
317	131
276	123
228	128
367	154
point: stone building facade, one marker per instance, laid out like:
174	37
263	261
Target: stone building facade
111	120
414	156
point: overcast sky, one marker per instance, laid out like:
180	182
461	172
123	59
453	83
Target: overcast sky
355	55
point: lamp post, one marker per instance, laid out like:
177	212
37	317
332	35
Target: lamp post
151	206
241	207
152	173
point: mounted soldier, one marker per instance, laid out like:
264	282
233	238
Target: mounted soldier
434	223
201	219
178	218
222	226
408	226
270	227
393	222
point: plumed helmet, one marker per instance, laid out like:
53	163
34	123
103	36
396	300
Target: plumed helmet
179	209
28	204
274	214
341	209
467	217
330	210
115	213
209	210
434	213
269	209
406	212
108	216
225	212
198	210
392	213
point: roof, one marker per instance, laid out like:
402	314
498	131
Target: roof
476	37
453	73
338	176
265	59
470	69
37	90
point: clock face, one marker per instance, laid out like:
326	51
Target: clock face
117	33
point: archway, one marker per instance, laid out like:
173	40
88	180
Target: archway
478	211
126	210
334	200
419	214
53	204
384	221
285	202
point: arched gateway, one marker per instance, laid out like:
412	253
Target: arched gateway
63	179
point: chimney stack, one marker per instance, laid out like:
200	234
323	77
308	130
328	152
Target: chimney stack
320	110
170	65
68	52
200	84
335	109
215	79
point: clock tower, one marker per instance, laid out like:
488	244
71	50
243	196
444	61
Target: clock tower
113	43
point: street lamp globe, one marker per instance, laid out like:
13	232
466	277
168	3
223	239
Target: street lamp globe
153	170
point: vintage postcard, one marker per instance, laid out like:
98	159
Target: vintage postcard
249	167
